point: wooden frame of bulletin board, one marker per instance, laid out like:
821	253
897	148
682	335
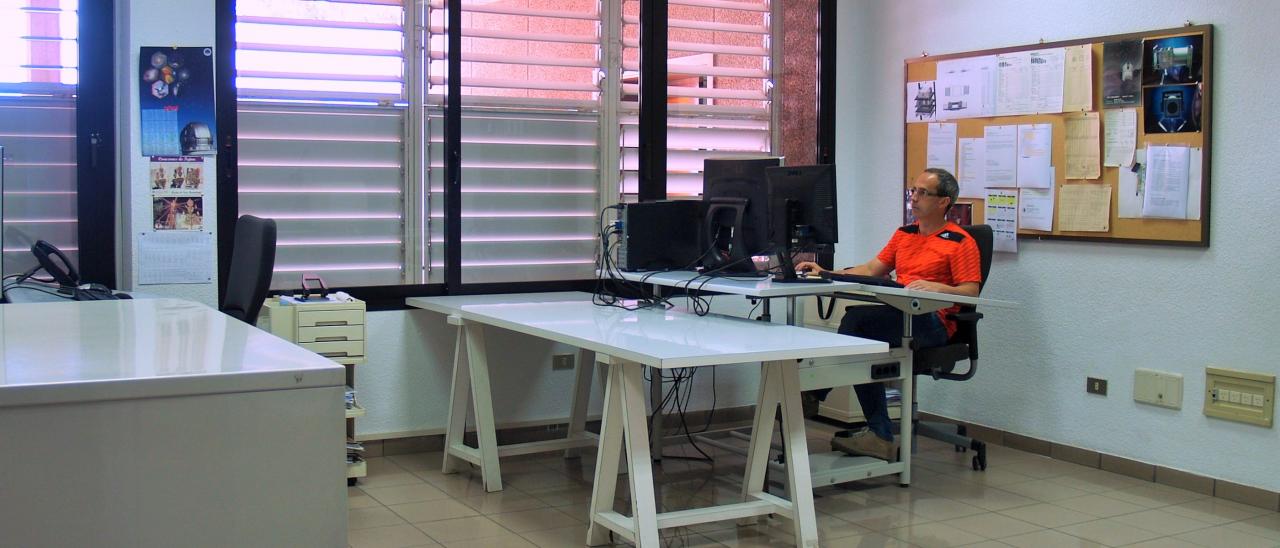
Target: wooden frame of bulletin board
1184	69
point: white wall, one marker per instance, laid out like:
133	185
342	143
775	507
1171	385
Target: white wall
145	23
1093	309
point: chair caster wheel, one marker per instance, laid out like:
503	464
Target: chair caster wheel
351	482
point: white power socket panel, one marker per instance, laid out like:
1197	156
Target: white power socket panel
1157	388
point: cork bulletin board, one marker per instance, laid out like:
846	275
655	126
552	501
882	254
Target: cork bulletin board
1164	76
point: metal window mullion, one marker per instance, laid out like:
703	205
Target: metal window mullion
653	100
826	82
412	146
610	95
453	147
774	92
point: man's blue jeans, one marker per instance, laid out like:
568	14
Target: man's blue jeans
884	323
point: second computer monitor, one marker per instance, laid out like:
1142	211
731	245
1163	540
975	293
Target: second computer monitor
802	205
736	196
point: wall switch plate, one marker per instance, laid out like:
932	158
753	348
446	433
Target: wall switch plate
1241	396
1095	385
560	362
1158	388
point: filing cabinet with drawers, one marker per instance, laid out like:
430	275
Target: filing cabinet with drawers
333	329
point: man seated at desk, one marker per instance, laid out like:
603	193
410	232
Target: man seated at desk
932	254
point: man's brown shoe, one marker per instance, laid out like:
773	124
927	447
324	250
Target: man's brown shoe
865	442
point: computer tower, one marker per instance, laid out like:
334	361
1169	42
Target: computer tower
661	235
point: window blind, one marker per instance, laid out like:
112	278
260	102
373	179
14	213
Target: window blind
38	76
530	140
719	88
322	112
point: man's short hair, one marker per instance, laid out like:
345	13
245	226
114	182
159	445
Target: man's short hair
947	185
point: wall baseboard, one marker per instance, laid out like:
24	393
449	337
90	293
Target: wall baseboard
1205	485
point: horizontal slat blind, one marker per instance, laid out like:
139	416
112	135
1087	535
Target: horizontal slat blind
331	178
38	75
718	88
530	133
315	153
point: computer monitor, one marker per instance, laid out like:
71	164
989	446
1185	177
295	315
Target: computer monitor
736	196
802	211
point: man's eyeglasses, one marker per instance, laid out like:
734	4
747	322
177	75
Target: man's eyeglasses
921	192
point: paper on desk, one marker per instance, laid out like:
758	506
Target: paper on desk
175	257
973	168
1129	187
1035	146
1168	176
1002	215
1082	157
1035	208
1121	128
1077	87
1001	143
1084	208
941	148
966	87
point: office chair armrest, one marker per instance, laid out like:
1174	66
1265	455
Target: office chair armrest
971	317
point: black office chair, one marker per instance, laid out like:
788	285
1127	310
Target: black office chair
940	362
252	259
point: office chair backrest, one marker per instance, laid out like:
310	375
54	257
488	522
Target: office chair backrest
983	236
252	259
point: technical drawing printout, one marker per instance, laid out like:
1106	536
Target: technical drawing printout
1001	155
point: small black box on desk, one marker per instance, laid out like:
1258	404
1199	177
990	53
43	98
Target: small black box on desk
661	235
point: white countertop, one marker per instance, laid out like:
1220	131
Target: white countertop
453	303
106	350
751	287
664	338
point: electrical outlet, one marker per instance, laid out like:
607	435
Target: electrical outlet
560	362
1096	386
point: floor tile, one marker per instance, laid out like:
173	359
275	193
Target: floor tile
377	516
400	494
534	520
1048	515
509	541
939	509
503	501
1166	523
931	535
992	525
435	510
1110	532
1165	542
1215	511
1154	496
1044	490
1224	535
1266	525
395	536
1101	506
575	535
470	528
878	517
1049	538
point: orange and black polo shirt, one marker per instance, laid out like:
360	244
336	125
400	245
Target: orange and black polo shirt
949	256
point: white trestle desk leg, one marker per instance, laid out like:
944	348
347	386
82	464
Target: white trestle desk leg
608	454
459	400
482	398
644	509
581	397
906	441
761	437
799	481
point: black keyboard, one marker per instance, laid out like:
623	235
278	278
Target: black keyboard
860	279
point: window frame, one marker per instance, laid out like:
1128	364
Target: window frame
653	115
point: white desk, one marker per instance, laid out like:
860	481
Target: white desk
632	340
164	423
835	467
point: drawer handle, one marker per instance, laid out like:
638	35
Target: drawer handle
333	354
331	323
330	339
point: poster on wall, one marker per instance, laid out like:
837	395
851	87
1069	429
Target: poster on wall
177	195
175	94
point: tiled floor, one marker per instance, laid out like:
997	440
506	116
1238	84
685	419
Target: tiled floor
1021	500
